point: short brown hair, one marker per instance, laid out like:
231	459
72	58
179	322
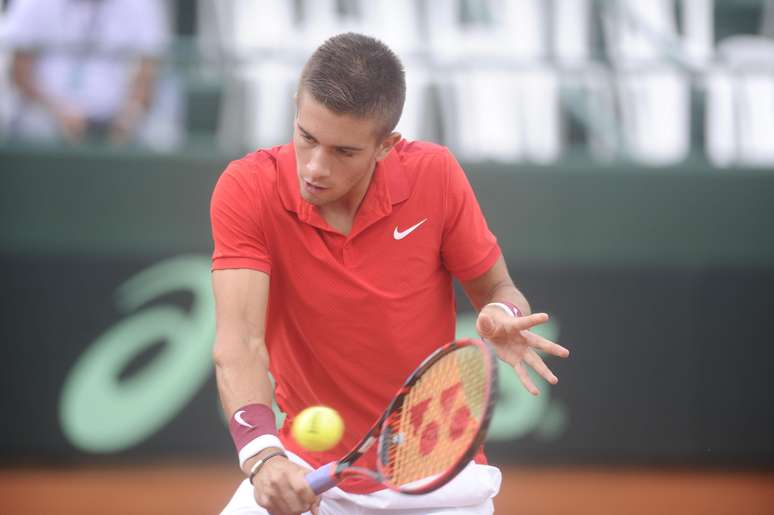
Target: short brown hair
356	75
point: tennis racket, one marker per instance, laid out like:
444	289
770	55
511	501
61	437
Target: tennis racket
432	428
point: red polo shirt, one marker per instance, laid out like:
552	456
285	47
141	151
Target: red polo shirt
351	316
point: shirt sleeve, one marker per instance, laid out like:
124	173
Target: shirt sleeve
152	28
235	215
27	24
469	249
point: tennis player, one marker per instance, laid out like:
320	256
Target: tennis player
332	269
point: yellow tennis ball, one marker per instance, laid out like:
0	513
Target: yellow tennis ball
317	428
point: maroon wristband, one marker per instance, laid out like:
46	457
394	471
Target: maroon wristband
253	428
516	312
506	306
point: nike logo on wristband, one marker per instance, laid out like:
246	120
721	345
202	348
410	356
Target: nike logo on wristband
399	235
239	420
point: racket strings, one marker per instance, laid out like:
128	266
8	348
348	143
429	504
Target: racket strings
438	419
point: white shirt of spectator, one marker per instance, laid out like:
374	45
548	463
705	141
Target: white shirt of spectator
87	47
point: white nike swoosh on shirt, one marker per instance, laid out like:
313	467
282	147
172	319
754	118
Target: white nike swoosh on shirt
399	235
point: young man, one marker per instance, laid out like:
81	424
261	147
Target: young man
333	265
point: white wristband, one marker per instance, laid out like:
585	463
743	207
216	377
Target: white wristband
504	307
253	447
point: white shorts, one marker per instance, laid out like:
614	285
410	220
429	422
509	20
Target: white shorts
469	493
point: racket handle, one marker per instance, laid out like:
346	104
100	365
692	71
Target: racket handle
322	479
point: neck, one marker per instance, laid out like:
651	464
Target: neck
341	214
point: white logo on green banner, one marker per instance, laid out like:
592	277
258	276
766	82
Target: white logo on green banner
98	412
102	413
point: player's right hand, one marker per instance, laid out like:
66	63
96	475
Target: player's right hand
281	488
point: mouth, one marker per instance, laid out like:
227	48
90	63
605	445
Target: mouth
313	188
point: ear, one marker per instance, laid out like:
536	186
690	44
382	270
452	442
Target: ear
386	145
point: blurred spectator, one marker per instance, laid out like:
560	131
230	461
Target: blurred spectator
84	69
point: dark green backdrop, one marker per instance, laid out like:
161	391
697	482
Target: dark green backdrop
658	280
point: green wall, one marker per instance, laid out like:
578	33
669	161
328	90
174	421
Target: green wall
103	202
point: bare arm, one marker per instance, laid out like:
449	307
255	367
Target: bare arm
495	286
143	82
71	122
242	372
137	101
241	359
511	337
22	66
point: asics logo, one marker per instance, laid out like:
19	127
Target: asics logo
399	235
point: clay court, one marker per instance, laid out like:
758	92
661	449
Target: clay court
202	489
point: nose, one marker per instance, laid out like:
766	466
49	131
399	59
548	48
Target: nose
317	166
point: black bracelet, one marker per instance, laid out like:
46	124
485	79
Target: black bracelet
260	463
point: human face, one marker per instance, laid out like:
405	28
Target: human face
335	154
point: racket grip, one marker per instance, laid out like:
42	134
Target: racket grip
322	479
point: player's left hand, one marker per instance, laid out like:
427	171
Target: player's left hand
517	345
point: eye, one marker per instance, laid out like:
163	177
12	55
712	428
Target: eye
344	152
305	135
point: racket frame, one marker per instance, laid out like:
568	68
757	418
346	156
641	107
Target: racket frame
332	473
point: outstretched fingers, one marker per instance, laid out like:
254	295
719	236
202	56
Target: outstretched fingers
538	342
498	326
525	379
532	359
529	321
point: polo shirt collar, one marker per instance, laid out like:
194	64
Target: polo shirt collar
389	186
